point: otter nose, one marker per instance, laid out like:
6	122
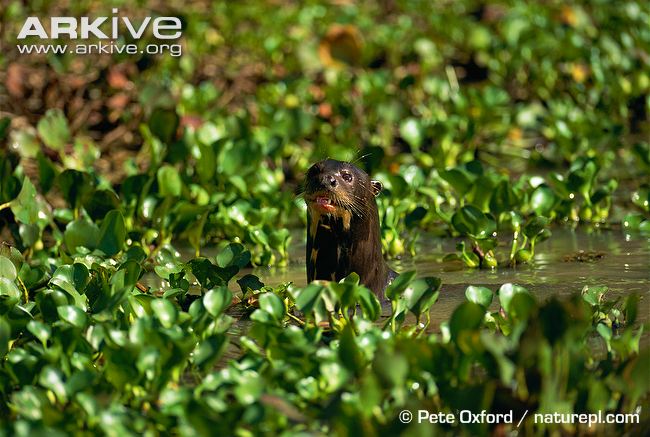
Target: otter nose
329	180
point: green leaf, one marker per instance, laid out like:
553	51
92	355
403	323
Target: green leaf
8	288
64	278
506	293
39	330
314	301
53	129
468	316
163	123
25	207
206	164
273	305
605	332
7	269
169	181
165	311
5	123
217	300
46	172
249	388
411	130
631	309
29	234
29	402
503	198
421	294
460	180
81	233
348	351
101	202
399	284
249	283
535	226
632	221
594	295
390	366
73	315
112	233
369	303
13	255
471	221
521	306
52	378
233	254
5	337
480	295
209	351
77	187
542	200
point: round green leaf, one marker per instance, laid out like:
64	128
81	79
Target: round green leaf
217	300
165	311
468	316
534	226
81	232
73	315
542	200
506	292
399	284
53	129
7	269
112	233
169	181
411	131
233	254
8	288
273	305
421	294
209	351
480	295
471	221
52	378
39	330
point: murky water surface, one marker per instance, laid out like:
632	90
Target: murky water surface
621	262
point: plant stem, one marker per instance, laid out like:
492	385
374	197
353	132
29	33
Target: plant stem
532	247
24	289
513	248
296	319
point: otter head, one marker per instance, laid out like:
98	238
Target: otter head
339	189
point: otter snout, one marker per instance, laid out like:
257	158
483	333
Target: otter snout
329	181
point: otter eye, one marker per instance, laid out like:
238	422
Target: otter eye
347	177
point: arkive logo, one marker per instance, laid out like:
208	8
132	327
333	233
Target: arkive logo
101	27
107	33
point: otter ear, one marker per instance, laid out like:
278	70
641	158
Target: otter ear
376	187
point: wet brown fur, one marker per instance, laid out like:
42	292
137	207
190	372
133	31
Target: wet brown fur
347	238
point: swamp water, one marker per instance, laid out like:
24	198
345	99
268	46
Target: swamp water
562	266
610	257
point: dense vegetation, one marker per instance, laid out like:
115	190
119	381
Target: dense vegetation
486	123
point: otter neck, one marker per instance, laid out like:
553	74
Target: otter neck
338	245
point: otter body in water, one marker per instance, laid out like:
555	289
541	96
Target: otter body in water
343	226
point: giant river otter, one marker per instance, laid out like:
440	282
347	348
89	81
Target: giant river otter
343	226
